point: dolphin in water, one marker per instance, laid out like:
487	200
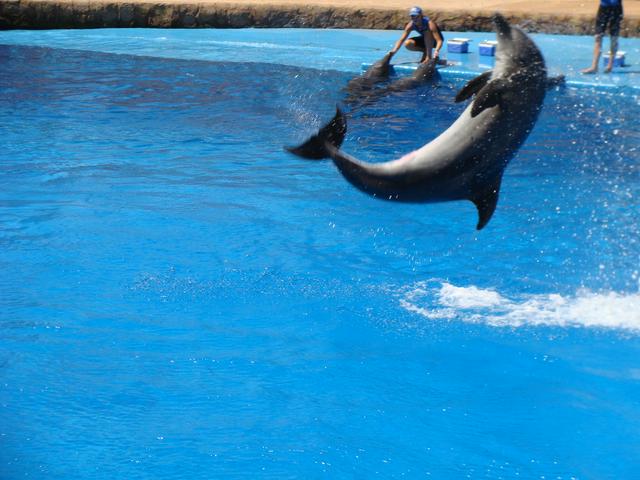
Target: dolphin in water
424	74
467	161
376	73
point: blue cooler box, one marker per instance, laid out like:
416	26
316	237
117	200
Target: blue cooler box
487	48
458	45
617	62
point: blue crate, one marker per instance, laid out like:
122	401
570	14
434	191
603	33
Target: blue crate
618	61
487	48
458	45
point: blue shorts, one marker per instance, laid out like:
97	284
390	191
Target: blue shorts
609	17
419	41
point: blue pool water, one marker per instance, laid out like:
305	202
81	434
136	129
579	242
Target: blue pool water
180	298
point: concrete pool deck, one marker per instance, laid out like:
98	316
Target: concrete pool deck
551	16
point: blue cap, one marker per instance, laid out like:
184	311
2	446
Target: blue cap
415	11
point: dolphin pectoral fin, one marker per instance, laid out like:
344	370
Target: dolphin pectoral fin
556	81
486	203
332	133
489	96
473	86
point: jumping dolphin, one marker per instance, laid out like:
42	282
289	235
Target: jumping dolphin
467	161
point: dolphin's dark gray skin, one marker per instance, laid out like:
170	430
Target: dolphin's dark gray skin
557	81
376	73
425	73
467	161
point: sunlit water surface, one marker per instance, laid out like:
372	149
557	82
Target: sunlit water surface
181	298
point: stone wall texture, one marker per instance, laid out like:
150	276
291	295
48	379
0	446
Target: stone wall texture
48	14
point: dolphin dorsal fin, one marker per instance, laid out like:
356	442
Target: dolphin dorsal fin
473	86
489	96
486	202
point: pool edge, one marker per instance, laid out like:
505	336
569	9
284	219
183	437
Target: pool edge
48	14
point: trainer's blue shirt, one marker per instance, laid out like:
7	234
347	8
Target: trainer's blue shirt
610	3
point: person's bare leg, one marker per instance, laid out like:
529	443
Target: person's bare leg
428	46
411	45
612	54
596	56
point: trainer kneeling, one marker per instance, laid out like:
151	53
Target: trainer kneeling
429	36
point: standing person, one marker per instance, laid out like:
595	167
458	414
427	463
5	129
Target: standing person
429	36
609	16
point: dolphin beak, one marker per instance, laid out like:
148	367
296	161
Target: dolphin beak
502	26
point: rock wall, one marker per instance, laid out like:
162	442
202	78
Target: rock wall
48	14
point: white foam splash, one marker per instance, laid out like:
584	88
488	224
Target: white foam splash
441	300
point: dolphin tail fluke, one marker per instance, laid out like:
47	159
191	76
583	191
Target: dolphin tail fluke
333	133
486	204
